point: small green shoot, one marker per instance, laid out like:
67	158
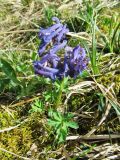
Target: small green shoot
61	123
101	102
37	106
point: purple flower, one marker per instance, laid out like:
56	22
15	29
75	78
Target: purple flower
51	65
50	59
42	48
44	70
55	19
75	60
58	46
54	34
62	33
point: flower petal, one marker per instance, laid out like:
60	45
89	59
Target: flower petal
56	19
57	47
42	48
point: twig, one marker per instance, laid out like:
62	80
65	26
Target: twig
16	155
77	35
112	157
28	77
20	31
13	127
93	137
24	102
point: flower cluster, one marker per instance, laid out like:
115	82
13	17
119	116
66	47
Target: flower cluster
51	65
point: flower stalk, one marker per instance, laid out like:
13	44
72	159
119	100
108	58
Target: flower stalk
59	97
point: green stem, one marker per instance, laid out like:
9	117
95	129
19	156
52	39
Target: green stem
59	97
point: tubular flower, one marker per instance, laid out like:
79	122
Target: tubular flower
45	70
51	65
75	61
48	65
54	34
57	47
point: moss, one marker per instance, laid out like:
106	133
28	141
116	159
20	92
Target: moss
21	139
7	118
108	79
17	140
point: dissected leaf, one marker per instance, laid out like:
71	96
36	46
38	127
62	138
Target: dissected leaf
72	124
70	115
8	70
57	116
53	123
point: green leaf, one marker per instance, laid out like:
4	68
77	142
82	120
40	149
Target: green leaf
69	115
84	74
8	70
53	123
3	83
66	80
65	128
62	136
50	112
116	108
57	85
72	124
37	106
57	116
